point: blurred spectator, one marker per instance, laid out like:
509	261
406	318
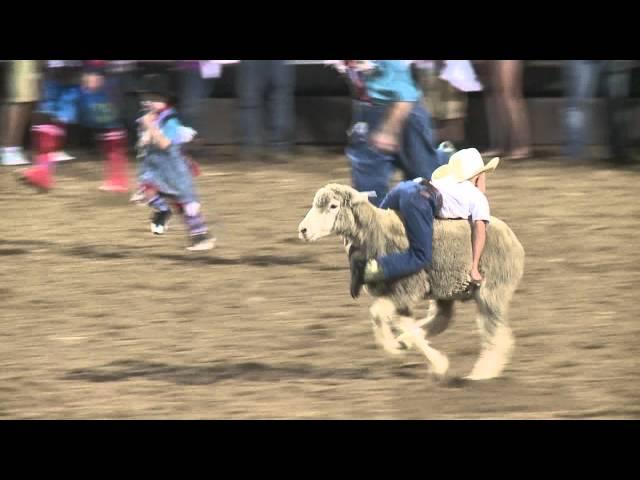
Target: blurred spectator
89	103
22	92
507	116
391	127
122	75
583	78
59	95
446	97
258	79
195	83
192	89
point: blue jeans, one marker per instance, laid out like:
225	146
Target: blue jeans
257	79
417	208
582	85
126	101
372	169
192	91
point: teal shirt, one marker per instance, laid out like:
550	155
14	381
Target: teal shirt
392	81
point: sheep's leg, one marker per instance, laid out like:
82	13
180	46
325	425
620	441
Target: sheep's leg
437	320
382	312
438	361
438	317
497	341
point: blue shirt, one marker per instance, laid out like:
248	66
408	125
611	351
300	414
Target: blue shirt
96	108
73	104
392	81
60	101
173	129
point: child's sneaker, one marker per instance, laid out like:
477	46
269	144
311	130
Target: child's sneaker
160	222
447	147
201	242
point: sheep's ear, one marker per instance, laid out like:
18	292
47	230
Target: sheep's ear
360	197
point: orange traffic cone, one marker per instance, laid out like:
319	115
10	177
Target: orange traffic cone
47	139
114	144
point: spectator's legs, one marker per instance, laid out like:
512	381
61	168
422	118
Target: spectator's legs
618	90
582	77
419	155
446	104
514	107
16	116
496	111
282	104
22	93
251	81
371	169
127	102
192	90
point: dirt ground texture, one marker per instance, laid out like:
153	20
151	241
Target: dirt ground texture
100	319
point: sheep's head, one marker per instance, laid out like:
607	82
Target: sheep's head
331	212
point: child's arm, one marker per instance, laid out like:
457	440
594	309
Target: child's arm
479	236
387	138
480	217
155	134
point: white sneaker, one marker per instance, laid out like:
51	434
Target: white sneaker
62	156
13	156
448	147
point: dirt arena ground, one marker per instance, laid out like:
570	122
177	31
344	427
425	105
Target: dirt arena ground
100	319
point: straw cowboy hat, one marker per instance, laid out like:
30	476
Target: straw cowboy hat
464	165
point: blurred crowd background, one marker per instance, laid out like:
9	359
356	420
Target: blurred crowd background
267	107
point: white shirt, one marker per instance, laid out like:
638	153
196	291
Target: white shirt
462	200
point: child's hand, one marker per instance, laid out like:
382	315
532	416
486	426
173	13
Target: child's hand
476	277
149	119
385	141
145	139
186	134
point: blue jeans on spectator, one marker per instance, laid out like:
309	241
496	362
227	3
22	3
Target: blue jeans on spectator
256	80
192	91
582	85
372	169
418	209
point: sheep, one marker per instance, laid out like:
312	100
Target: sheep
343	211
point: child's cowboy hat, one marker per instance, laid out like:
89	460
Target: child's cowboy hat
464	165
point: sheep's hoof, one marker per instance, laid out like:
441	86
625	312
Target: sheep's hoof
478	375
390	344
395	348
455	382
440	367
